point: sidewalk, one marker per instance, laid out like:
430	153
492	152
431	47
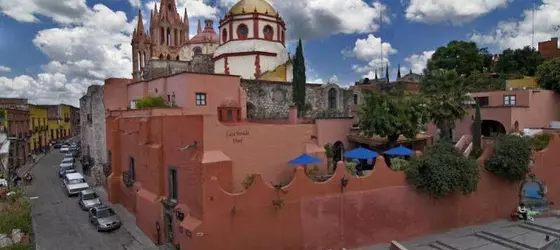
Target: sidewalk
23	169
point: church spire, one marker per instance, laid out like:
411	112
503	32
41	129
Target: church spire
199	29
140	25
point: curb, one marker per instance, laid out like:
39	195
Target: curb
29	166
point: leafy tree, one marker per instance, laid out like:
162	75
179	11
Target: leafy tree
548	75
486	59
462	56
391	114
479	81
511	158
477	133
444	91
540	141
299	79
519	62
443	170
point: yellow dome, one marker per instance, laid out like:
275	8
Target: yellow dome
249	6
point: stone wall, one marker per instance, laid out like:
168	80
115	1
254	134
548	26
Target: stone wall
160	68
92	123
271	100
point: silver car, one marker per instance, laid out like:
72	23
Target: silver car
74	183
104	218
88	199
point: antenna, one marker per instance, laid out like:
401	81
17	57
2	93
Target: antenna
380	40
533	29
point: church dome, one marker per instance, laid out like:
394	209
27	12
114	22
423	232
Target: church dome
208	35
249	6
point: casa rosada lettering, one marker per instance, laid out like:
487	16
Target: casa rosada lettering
237	133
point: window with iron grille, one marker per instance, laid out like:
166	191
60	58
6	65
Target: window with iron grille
509	100
200	99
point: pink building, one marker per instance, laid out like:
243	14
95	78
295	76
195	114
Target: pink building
507	111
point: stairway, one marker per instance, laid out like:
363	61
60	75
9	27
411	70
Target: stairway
464	145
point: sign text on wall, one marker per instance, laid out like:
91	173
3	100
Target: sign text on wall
237	135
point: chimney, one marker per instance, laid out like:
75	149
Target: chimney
293	115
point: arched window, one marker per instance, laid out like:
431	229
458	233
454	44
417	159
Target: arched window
168	37
177	58
332	98
161	35
224	35
242	31
160	56
197	51
268	32
139	61
168	57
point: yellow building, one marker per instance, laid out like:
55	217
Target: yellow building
38	126
58	121
526	81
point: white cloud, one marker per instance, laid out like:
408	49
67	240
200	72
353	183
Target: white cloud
135	3
372	50
5	69
309	19
83	54
455	12
61	11
418	61
333	79
518	33
195	8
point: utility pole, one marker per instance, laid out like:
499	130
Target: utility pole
533	29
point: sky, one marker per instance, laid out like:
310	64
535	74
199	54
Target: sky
52	50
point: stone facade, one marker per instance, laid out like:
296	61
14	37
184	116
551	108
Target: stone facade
161	68
271	100
92	123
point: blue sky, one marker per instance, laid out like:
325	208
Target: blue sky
51	50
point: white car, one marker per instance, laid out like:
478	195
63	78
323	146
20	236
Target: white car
65	149
74	184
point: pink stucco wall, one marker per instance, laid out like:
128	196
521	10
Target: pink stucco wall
533	109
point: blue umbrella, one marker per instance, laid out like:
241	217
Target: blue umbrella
400	150
304	159
361	153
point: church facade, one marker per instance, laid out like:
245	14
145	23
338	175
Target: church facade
251	44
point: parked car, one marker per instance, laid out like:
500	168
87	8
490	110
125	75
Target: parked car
64	149
89	199
69	159
68	155
74	183
65	168
57	144
104	218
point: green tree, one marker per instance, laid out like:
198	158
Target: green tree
151	102
511	158
519	62
391	114
548	75
462	56
443	170
486	59
299	79
477	133
479	81
444	92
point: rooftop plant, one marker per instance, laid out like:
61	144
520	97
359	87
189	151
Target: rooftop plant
151	102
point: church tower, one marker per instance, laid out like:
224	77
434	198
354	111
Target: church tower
167	33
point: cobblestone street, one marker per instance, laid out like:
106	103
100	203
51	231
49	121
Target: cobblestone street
59	223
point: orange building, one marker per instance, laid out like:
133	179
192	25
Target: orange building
549	49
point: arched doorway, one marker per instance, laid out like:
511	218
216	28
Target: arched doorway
332	98
492	128
251	109
338	151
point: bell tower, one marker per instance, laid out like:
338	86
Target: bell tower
167	33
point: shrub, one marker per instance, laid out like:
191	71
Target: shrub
540	141
151	102
399	164
511	158
17	215
443	170
351	168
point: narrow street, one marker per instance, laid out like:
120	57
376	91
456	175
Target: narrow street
59	223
